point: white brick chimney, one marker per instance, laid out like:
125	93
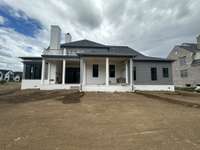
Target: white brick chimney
55	37
68	38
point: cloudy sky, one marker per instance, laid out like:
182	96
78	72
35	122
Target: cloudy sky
152	27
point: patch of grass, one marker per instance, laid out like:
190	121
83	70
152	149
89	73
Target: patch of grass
189	89
2	82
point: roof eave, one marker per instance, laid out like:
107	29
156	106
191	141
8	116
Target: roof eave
154	60
104	55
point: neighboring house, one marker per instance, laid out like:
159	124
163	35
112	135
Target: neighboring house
9	75
1	75
91	66
17	76
186	68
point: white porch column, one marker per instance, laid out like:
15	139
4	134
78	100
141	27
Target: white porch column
84	72
126	72
107	71
43	71
49	72
81	71
63	71
131	73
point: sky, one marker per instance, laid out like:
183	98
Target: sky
152	27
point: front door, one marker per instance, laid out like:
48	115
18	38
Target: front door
72	75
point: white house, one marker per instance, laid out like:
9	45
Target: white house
9	75
91	66
186	67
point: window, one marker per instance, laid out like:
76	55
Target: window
95	72
182	61
153	74
184	73
134	73
33	71
165	72
112	71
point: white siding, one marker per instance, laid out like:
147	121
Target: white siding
119	71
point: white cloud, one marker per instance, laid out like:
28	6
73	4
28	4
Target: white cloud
2	20
152	27
14	45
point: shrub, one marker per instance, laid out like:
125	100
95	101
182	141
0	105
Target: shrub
2	82
189	89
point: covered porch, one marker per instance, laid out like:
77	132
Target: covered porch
88	74
108	74
60	73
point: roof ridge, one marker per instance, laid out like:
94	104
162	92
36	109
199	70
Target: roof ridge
83	41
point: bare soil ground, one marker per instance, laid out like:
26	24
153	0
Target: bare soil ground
57	120
189	99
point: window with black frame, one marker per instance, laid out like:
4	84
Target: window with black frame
33	71
153	74
134	73
184	73
112	71
165	72
95	70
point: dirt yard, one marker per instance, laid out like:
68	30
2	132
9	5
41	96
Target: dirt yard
63	120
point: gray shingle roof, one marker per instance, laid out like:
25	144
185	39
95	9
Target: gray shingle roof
112	51
109	50
83	43
196	62
32	58
90	48
192	47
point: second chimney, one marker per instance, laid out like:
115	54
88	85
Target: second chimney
68	38
55	37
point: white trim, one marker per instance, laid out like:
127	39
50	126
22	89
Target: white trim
59	86
30	84
154	87
126	72
63	71
131	72
49	72
84	71
43	71
105	88
36	84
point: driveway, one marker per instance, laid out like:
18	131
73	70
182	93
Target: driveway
98	121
